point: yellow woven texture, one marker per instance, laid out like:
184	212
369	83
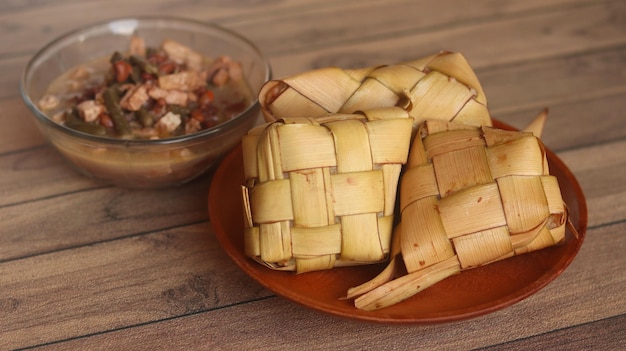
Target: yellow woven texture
441	86
488	192
320	193
469	196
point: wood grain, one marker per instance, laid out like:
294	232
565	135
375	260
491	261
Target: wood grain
114	284
83	217
518	39
85	265
606	181
594	299
606	334
297	19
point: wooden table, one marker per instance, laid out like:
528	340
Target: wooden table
88	266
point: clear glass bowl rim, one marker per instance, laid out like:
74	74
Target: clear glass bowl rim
139	142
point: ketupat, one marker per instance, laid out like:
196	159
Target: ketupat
320	192
355	230
459	167
441	86
499	179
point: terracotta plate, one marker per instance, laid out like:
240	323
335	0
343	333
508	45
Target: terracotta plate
469	294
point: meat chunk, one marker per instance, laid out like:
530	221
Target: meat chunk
182	54
48	102
186	81
89	110
192	97
135	98
146	133
192	126
220	77
223	69
169	122
137	46
59	117
81	72
235	71
174	97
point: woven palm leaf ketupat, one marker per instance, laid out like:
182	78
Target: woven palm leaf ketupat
320	192
442	86
469	196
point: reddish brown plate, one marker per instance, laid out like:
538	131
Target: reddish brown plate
469	294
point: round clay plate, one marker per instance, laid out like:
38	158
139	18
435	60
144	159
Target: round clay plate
469	294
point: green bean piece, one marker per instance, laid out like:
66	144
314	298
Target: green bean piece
150	50
135	75
145	117
182	111
180	130
145	66
112	104
117	56
89	128
73	121
72	115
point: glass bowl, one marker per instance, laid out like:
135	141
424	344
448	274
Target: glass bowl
141	163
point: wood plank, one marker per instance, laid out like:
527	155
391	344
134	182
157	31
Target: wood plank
530	45
12	68
19	130
597	120
606	334
580	295
600	171
342	21
117	284
33	24
17	6
84	217
480	60
299	27
500	41
324	26
571	78
38	173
